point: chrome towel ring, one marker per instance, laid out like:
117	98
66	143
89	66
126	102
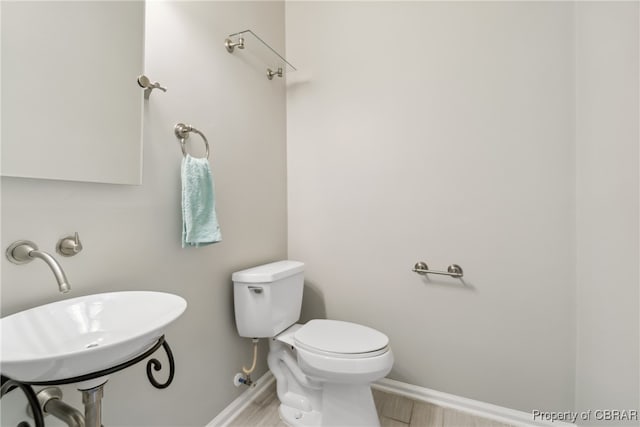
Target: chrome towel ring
182	132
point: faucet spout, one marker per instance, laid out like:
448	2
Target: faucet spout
24	251
55	267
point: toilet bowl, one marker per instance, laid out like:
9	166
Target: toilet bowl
342	352
324	368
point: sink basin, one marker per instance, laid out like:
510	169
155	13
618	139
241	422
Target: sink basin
83	335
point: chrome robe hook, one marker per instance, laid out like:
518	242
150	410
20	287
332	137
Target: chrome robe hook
145	83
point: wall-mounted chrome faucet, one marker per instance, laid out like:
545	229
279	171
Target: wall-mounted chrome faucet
24	251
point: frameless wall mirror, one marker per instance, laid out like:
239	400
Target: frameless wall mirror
71	105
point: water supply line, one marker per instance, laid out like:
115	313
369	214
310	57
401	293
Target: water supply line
255	358
246	378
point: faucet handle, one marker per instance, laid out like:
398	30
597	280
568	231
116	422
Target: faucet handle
69	245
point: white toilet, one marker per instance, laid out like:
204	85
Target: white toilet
324	368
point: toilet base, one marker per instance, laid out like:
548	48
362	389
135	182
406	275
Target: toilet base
314	401
342	406
296	418
348	405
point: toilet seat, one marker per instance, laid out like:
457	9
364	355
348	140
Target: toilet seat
345	340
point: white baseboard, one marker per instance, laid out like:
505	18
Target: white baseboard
473	407
462	404
228	414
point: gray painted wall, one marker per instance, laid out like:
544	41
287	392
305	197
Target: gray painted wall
436	131
131	234
447	132
607	248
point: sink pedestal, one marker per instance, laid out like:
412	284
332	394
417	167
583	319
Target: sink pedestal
92	401
50	400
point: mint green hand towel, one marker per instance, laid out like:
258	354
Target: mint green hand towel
199	221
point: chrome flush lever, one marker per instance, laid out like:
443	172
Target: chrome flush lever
69	245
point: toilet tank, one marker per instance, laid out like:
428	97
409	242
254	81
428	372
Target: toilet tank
268	298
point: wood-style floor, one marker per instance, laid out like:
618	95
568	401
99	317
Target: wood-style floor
393	411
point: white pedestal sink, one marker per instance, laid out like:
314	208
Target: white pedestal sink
79	336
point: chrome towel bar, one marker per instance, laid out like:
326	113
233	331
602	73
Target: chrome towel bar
454	270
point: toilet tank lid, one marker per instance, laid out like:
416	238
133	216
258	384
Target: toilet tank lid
268	272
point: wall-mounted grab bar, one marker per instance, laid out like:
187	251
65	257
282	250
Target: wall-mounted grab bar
454	270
